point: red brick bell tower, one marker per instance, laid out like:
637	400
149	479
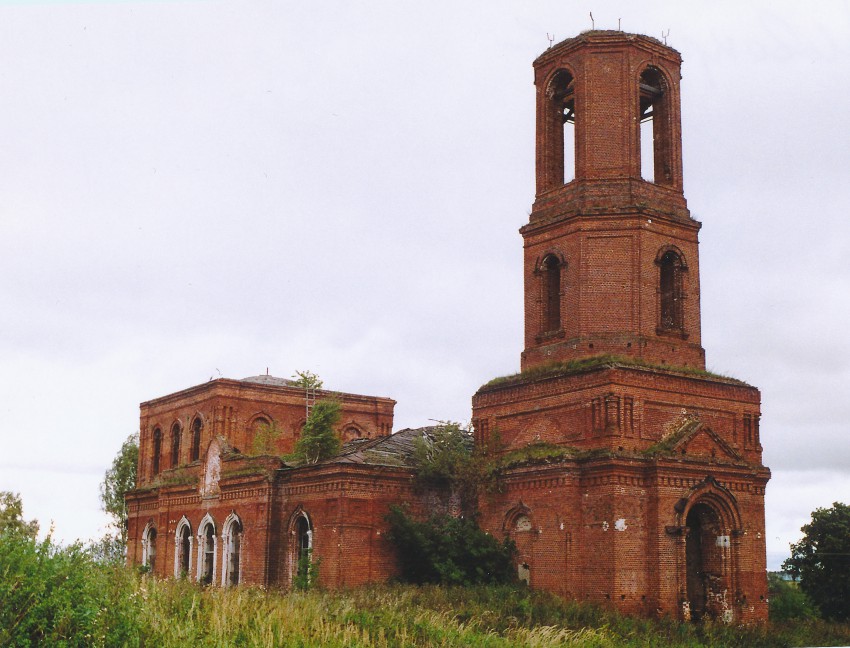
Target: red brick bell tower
629	475
611	261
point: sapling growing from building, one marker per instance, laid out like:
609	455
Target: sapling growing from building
319	438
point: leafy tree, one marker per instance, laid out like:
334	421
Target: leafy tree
117	481
442	455
821	560
319	439
448	551
446	458
787	601
12	516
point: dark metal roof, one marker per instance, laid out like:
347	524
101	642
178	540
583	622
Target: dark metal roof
394	450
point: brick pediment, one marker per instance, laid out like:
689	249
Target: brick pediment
701	441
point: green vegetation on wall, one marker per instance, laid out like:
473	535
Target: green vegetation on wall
319	439
558	369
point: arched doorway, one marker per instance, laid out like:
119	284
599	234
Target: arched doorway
519	527
707	549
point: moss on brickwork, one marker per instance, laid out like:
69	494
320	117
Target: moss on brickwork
666	445
536	453
560	369
176	477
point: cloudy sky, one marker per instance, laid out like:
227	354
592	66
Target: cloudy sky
200	189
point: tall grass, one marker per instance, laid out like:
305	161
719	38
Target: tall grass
56	596
174	613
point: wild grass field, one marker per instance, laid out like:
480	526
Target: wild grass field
62	596
494	616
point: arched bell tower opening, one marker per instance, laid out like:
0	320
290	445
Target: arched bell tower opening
559	123
656	137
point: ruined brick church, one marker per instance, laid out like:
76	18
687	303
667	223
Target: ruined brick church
654	503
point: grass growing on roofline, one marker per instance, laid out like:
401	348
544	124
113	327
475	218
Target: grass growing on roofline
557	369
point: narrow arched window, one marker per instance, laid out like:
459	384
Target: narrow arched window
150	558
656	140
561	127
233	552
175	444
671	312
197	425
303	550
183	547
551	275
157	449
206	563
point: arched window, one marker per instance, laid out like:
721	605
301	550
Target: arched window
671	298
175	444
259	423
183	548
522	524
206	551
157	449
263	436
561	154
197	425
149	547
655	137
302	549
351	432
550	271
232	538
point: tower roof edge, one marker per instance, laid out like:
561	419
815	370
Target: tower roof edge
607	37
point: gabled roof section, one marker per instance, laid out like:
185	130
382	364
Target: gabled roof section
696	439
702	440
394	450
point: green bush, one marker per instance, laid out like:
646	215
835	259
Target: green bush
307	571
59	596
447	550
787	601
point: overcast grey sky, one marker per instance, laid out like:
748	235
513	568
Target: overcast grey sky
194	189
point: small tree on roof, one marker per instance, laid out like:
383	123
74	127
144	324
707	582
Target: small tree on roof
319	439
307	380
